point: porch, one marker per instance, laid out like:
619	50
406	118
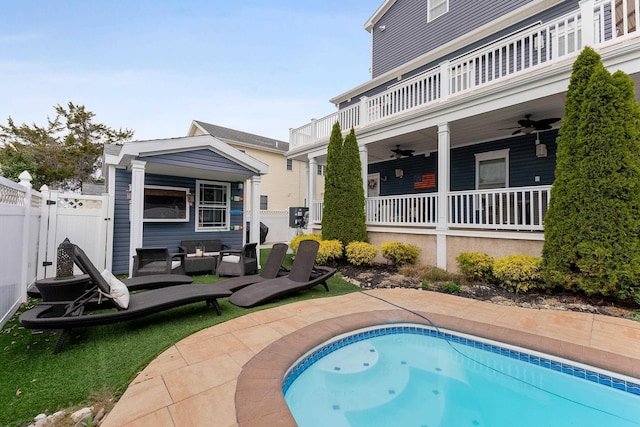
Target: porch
602	24
507	209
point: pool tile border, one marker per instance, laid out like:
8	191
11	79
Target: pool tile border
259	398
562	367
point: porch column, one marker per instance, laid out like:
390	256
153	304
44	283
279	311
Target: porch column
311	187
444	147
136	209
364	167
254	232
587	17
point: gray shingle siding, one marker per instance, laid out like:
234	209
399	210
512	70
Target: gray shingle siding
408	35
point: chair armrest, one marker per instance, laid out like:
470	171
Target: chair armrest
182	249
230	252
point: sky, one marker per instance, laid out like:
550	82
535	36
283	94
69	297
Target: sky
153	66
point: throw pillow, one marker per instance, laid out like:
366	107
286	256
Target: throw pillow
119	291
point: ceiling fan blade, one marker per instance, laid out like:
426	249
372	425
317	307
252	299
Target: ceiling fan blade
526	123
547	122
516	132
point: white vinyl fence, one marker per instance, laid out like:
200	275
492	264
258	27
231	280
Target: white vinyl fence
20	223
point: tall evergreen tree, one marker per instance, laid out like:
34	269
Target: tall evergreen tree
592	228
355	228
333	186
562	219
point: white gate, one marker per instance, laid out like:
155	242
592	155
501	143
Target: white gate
83	219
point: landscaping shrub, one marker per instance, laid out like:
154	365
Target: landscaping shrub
400	254
361	253
450	288
329	251
476	266
428	273
295	242
518	273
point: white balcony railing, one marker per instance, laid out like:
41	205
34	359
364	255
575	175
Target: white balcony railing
524	51
521	208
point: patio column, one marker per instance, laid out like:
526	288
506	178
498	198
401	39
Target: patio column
364	167
587	17
136	209
254	231
444	147
311	187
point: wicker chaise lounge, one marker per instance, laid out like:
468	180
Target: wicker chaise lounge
107	296
272	268
304	275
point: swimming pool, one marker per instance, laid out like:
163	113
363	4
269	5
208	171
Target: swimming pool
361	379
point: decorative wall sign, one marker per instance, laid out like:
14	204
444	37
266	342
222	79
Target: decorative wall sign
425	181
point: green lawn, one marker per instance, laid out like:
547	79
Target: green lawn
103	359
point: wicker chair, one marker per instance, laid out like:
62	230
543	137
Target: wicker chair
238	262
151	260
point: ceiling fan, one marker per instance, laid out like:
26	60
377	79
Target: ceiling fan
399	152
527	125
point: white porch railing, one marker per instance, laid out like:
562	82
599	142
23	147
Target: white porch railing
410	209
521	208
524	51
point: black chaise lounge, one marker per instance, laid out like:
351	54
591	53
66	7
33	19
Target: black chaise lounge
303	276
272	269
66	315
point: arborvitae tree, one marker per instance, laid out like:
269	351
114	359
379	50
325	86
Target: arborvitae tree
333	187
355	228
593	240
562	220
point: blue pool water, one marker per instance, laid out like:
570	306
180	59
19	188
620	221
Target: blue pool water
410	376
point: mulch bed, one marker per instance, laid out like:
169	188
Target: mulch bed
383	276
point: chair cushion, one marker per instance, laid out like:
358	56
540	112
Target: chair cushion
231	258
119	291
175	264
211	254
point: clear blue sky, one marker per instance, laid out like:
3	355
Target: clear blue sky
261	66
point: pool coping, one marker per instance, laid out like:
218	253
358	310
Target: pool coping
259	399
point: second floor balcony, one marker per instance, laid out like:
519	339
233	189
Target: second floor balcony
602	24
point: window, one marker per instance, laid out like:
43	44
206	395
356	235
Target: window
264	203
289	164
321	170
436	8
165	204
492	169
212	205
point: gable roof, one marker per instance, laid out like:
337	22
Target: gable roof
239	137
156	151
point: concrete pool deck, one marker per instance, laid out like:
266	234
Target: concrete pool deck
231	374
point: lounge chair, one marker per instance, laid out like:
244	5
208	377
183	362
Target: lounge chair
109	293
272	268
303	276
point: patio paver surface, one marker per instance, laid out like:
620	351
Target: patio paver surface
230	374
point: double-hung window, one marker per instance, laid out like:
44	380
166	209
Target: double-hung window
436	8
492	169
212	205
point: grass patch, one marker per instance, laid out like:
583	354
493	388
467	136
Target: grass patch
104	359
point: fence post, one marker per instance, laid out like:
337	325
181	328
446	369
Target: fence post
25	181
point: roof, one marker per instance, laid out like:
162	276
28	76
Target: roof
237	136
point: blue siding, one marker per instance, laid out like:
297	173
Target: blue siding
523	163
411	166
165	234
200	159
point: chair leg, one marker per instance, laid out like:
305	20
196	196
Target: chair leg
64	334
325	286
216	306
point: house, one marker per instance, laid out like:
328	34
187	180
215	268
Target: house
286	184
168	190
457	126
